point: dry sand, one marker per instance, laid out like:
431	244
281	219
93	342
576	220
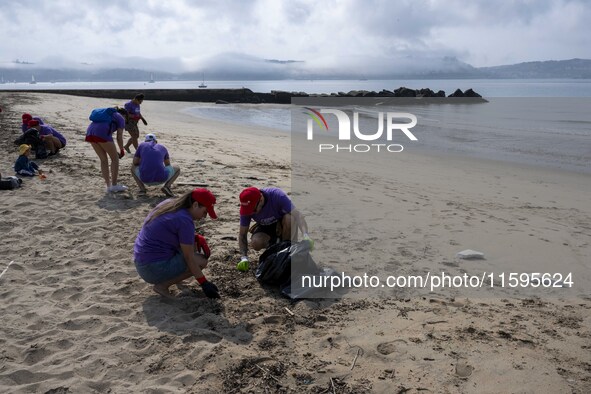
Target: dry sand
75	317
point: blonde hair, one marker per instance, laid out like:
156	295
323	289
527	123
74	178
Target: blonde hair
172	205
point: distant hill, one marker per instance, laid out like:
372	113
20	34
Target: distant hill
233	67
573	68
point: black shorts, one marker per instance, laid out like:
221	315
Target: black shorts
272	230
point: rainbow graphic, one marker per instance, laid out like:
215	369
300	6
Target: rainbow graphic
317	117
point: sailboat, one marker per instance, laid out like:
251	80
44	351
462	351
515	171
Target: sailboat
203	85
32	80
2	80
151	78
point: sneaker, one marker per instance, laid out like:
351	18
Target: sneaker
166	190
128	150
117	188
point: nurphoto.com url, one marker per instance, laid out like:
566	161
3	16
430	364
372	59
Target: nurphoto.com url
442	280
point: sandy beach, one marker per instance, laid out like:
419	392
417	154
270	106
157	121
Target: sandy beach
77	318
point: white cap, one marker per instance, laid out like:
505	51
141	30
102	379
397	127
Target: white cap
150	137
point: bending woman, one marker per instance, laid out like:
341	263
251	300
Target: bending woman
100	136
165	251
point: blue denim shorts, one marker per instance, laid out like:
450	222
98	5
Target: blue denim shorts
162	271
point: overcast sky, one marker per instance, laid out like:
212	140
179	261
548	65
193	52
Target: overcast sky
179	35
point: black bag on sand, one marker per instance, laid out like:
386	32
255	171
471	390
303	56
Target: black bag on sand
9	183
284	264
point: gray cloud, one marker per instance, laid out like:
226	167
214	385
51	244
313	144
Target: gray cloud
196	33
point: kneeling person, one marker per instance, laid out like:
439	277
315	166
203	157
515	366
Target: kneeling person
275	216
151	166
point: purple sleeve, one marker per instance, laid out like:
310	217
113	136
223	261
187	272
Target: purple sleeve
245	221
138	151
166	157
127	106
285	203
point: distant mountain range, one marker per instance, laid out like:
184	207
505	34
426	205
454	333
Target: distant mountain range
272	69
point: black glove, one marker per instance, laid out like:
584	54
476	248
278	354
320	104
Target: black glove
210	290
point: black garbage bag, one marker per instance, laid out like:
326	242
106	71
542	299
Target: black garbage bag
284	264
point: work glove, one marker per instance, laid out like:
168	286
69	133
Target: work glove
121	153
145	123
201	245
210	290
243	265
310	240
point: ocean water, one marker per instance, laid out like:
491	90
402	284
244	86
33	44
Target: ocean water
544	131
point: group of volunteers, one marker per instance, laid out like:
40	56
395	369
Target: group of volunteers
167	249
151	161
51	139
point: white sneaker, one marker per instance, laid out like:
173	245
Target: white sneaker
117	188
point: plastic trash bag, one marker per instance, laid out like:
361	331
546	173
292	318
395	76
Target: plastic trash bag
284	264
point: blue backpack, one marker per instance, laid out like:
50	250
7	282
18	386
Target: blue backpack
102	114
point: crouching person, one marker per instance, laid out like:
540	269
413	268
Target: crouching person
151	166
166	251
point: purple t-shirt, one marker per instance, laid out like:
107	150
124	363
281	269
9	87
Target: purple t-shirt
25	126
133	109
105	130
152	156
277	204
161	238
48	130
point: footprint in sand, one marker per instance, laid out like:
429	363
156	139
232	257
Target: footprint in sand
398	346
463	369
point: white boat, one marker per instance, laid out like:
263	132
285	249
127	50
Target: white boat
151	78
2	80
203	85
32	80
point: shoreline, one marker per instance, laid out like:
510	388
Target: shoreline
78	318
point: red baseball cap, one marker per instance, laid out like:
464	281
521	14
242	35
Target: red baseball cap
249	198
33	123
205	198
26	118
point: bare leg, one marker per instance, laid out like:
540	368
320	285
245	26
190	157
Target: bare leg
104	162
163	288
138	180
111	151
259	241
177	172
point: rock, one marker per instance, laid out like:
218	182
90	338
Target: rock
471	93
405	92
457	93
440	93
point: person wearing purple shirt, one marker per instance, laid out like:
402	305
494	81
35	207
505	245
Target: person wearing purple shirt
135	115
274	214
151	166
100	136
166	250
54	141
27	118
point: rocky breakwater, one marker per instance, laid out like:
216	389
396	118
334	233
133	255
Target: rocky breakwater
244	95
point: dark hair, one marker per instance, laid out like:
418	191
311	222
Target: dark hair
122	111
139	97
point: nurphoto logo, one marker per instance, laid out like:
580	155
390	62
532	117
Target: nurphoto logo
344	130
